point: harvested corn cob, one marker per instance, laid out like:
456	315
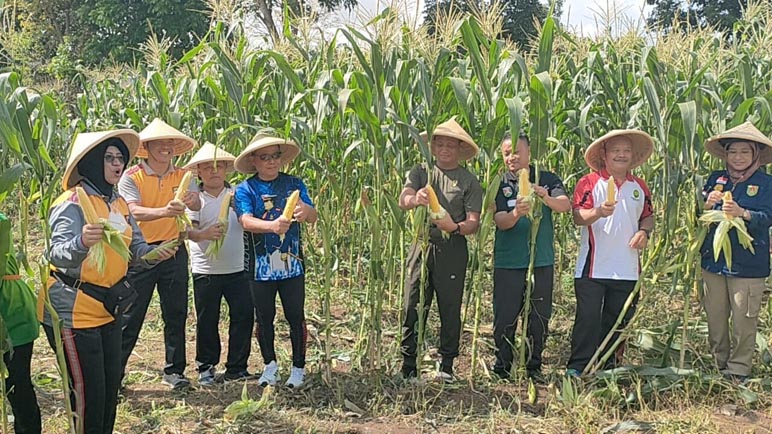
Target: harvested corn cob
110	236
213	250
525	191
183	221
289	208
611	192
436	211
155	254
721	241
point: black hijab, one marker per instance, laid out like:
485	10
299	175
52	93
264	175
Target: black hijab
92	165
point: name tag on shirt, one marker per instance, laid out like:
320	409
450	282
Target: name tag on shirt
511	203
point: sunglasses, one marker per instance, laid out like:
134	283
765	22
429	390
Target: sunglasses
267	157
109	158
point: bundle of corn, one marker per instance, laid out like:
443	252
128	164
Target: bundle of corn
155	254
213	250
110	236
289	208
525	192
721	242
183	221
611	192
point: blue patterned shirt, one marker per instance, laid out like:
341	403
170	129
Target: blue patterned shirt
266	256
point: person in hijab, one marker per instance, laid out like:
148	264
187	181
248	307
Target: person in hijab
735	293
77	290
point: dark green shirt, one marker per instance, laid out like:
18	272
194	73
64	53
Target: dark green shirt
458	191
511	249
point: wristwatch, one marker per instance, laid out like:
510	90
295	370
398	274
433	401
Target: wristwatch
458	230
646	231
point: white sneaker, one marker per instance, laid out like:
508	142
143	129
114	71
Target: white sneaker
270	374
297	375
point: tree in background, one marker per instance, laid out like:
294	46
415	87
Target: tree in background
519	16
719	13
264	10
52	36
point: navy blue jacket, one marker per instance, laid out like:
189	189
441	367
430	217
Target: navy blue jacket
755	195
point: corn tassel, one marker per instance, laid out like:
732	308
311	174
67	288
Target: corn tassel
183	221
155	254
111	237
213	250
611	191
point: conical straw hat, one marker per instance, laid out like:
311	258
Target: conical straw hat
289	150
743	132
208	153
159	130
85	142
451	128
643	146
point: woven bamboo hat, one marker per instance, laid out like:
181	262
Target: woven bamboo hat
209	153
716	145
85	142
643	146
160	130
289	150
452	129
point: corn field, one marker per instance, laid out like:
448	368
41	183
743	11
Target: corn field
356	104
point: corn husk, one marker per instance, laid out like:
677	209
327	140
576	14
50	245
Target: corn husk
721	241
213	250
111	237
183	221
155	254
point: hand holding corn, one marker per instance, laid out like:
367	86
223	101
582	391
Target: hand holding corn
522	208
92	234
714	197
731	208
175	208
213	232
281	225
300	213
421	197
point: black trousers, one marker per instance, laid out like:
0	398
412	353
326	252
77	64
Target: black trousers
208	292
508	298
446	270
20	392
171	278
292	293
598	304
93	358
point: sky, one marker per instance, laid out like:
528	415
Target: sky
582	16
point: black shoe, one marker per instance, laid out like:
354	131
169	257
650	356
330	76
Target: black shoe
735	378
409	372
176	381
236	376
502	373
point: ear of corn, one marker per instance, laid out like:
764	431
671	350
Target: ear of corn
524	189
436	211
213	250
183	221
155	254
292	201
182	189
111	237
727	197
721	241
611	192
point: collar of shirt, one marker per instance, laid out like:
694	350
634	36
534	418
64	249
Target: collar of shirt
605	175
226	189
149	170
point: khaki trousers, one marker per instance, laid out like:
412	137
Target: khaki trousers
737	298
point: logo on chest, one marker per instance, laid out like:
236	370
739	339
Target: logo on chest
507	191
752	190
268	200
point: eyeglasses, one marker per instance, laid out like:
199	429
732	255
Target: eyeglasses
267	157
109	158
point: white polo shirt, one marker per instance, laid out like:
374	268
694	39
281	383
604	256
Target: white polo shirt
231	258
606	243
